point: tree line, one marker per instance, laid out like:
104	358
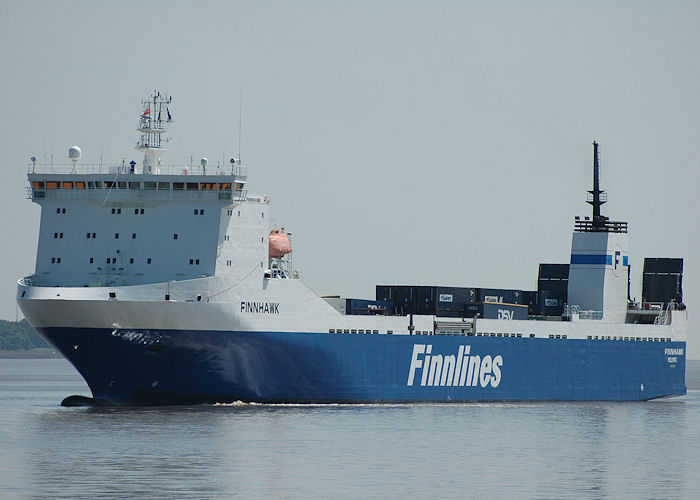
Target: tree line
17	335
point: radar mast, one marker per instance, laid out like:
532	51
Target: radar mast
597	197
154	117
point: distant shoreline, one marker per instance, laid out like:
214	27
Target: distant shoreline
39	353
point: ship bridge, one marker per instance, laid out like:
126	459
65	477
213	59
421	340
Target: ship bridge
131	224
113	182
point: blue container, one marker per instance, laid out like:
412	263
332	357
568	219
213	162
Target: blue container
369	307
492	310
500	295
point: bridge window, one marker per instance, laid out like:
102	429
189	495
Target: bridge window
179	186
163	186
134	185
192	186
149	186
52	185
79	185
67	185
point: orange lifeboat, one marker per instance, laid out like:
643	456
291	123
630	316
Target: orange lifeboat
279	243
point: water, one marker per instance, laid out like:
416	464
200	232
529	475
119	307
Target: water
531	450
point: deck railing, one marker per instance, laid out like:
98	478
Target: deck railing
125	169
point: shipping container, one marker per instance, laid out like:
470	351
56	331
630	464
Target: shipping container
551	303
531	300
452	300
662	288
554	271
424	299
369	307
498	295
452	297
383	292
404	302
492	310
663	265
558	287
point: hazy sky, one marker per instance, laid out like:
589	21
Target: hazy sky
401	142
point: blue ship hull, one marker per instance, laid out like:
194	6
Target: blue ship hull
133	367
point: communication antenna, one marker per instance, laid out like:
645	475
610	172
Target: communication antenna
240	118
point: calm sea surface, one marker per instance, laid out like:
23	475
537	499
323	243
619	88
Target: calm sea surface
639	450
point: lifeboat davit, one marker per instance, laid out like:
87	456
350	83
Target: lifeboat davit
279	243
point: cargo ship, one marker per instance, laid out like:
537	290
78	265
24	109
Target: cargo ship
169	285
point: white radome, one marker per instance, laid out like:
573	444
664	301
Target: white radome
74	153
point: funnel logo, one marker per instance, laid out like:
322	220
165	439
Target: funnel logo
457	370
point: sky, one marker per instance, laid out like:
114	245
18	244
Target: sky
401	142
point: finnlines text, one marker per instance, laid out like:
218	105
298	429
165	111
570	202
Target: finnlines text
260	307
462	369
